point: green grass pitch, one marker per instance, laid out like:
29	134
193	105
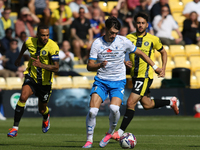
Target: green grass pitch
152	133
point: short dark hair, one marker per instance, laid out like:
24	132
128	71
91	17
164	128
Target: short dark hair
8	29
113	22
42	26
7	8
13	40
143	15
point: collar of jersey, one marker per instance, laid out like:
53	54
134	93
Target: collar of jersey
142	35
105	40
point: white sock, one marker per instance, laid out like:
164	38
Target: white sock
120	132
16	127
91	123
113	118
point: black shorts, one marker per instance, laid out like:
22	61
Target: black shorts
43	92
141	86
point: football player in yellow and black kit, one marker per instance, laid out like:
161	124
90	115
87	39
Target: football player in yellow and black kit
142	73
38	75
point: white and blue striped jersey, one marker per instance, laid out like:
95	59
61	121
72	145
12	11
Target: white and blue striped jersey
113	52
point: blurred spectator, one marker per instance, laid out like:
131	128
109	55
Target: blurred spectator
95	4
123	31
114	13
66	59
40	7
6	22
190	7
142	8
11	55
124	16
132	4
150	28
163	25
97	23
62	21
75	9
122	9
25	22
4	72
191	28
156	9
80	28
150	3
21	41
6	40
1	7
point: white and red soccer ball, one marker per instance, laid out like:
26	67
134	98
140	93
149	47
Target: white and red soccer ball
127	140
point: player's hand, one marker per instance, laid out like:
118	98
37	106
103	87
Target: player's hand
158	71
103	64
36	62
17	62
128	64
162	74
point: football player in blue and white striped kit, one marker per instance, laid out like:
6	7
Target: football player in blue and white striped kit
107	57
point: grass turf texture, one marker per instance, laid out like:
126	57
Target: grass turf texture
152	133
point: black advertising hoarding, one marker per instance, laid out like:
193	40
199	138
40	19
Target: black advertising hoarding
75	102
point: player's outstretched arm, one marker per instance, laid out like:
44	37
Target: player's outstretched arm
148	60
53	68
164	62
92	66
18	60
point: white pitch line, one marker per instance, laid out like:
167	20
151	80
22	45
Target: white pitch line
195	136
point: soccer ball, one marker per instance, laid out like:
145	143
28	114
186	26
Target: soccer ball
127	140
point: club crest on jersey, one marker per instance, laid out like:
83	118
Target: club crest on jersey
109	50
44	52
146	43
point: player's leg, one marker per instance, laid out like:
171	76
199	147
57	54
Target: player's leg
95	103
149	103
116	93
113	120
139	88
44	93
128	116
19	110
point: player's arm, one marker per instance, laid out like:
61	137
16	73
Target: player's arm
148	60
93	66
53	68
23	49
164	62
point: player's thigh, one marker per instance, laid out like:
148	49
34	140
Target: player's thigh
132	100
25	93
95	100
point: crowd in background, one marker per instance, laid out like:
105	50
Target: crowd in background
75	24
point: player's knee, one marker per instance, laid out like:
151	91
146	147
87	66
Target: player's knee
131	104
41	111
114	108
93	112
23	98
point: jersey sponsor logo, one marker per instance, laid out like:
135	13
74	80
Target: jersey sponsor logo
109	50
44	52
146	43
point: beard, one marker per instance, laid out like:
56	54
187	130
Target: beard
140	31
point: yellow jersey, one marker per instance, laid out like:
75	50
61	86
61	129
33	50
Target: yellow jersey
47	55
147	44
